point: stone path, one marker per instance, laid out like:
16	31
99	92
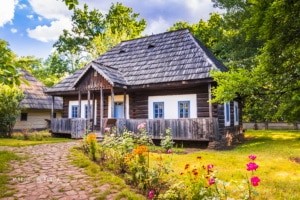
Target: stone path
48	174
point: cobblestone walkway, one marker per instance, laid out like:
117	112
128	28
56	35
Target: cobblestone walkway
48	174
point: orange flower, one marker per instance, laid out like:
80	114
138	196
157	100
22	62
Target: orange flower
92	137
140	150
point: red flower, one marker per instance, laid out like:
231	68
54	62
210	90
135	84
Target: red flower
151	194
251	166
211	181
252	157
255	181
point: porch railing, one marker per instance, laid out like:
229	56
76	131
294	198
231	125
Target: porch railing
196	129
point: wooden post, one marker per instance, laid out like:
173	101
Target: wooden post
209	100
89	105
79	105
52	107
101	109
125	105
93	111
112	103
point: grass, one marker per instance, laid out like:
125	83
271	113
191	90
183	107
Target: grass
5	157
279	174
101	177
19	143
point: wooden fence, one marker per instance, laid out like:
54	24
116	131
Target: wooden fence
76	127
198	129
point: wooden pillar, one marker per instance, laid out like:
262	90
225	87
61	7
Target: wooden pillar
79	104
209	100
125	105
101	109
93	110
112	103
89	105
52	107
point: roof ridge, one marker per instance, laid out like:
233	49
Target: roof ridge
166	32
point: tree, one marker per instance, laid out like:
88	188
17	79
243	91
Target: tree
10	98
93	33
8	70
269	80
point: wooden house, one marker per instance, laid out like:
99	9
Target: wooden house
36	105
162	80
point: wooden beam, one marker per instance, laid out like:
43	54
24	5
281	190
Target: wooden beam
89	105
209	100
79	105
93	110
101	109
125	104
112	103
52	107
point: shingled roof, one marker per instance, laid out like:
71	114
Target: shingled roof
160	58
35	97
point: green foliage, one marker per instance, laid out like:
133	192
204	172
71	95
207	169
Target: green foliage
10	98
167	140
8	69
19	142
93	33
31	136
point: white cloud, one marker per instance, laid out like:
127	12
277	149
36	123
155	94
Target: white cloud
22	6
157	26
29	16
7	11
50	9
13	30
50	33
54	10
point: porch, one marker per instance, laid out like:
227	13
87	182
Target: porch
189	129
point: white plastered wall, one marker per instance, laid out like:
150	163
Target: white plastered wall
171	105
83	103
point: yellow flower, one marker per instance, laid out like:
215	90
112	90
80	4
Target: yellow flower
92	137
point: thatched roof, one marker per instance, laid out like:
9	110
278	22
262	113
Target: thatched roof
166	57
35	97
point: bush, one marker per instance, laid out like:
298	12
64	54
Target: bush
33	136
10	98
167	140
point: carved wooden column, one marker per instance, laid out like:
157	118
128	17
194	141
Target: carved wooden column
209	100
125	105
79	105
101	109
112	103
52	107
93	110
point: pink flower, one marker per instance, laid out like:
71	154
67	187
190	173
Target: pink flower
211	181
151	194
255	180
169	151
210	166
251	166
107	129
141	126
252	157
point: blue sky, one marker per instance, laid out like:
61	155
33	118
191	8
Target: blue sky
32	26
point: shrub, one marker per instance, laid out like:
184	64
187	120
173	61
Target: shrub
33	136
91	141
10	98
167	140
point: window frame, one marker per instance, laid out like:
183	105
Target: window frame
76	113
24	117
184	112
227	116
163	110
236	113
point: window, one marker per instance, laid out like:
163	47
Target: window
74	111
86	111
236	113
24	116
227	113
158	108
184	109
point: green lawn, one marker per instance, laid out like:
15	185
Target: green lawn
19	143
5	157
279	174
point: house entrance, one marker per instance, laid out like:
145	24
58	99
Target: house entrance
119	110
